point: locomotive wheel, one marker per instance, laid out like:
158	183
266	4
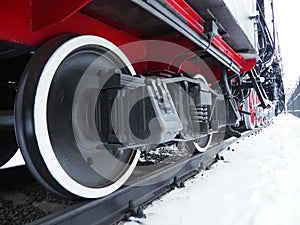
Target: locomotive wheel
258	117
264	121
55	117
200	145
250	120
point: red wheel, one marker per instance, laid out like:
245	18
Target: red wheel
259	113
249	106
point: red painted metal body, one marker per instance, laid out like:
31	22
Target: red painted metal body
18	23
197	23
32	22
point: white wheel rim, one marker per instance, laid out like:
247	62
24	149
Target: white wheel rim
197	146
203	149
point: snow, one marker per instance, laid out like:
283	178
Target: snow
16	160
257	184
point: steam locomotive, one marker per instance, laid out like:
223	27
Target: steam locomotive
87	85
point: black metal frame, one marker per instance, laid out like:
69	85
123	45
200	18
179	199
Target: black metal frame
233	114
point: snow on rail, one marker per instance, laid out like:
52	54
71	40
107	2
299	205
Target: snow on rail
257	184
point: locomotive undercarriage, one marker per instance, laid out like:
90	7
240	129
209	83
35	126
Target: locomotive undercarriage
82	112
108	114
85	138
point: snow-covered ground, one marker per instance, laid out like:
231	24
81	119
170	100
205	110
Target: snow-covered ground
257	184
17	160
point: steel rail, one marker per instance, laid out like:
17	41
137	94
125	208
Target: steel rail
128	200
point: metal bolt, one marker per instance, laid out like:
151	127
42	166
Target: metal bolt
89	161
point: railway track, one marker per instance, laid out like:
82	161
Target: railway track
24	201
89	90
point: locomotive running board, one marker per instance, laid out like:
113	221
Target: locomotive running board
127	201
157	8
